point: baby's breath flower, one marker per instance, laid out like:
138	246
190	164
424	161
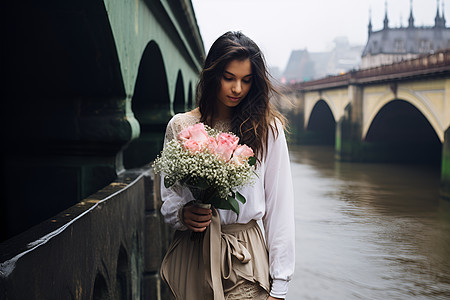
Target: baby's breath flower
179	165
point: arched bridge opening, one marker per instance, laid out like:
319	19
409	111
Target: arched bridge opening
400	133
151	107
321	126
191	103
179	100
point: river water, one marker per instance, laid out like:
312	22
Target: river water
368	231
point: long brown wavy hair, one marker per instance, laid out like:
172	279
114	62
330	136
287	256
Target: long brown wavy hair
254	115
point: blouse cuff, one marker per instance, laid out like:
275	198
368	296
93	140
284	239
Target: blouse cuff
176	220
181	226
279	288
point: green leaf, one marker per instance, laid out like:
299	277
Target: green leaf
234	204
220	203
252	161
197	183
240	197
167	182
215	201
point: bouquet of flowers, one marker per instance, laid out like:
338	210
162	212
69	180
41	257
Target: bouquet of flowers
210	163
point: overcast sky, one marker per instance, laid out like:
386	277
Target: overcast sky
280	26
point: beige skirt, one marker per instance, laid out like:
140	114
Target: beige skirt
217	262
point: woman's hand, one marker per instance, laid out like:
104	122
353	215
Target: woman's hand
272	298
196	218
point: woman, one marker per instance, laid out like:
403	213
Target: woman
234	260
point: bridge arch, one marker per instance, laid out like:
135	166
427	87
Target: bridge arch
400	132
151	92
190	102
151	107
123	275
420	103
101	290
321	124
311	105
179	103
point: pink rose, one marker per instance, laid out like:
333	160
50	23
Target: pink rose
184	134
225	149
198	133
212	145
242	153
195	132
192	146
229	138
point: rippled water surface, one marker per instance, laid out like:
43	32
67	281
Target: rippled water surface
368	231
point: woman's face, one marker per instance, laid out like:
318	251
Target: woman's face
235	84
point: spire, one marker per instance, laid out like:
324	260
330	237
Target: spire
386	21
411	18
437	19
370	21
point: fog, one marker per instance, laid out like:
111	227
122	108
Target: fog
280	26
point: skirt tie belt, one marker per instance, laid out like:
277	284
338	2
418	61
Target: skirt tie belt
219	246
231	246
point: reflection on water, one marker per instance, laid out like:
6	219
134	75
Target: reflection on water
368	231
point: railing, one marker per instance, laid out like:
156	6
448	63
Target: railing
436	64
108	246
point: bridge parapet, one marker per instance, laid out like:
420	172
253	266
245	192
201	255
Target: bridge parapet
436	64
108	246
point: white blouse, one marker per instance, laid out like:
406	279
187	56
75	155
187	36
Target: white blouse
270	199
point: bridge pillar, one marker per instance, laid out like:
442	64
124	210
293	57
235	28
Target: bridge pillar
66	116
58	151
297	118
348	144
445	169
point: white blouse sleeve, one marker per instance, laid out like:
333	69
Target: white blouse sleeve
175	197
278	220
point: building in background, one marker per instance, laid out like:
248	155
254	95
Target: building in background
390	45
304	65
386	46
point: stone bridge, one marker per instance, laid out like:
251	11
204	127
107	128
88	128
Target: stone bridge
392	113
88	87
